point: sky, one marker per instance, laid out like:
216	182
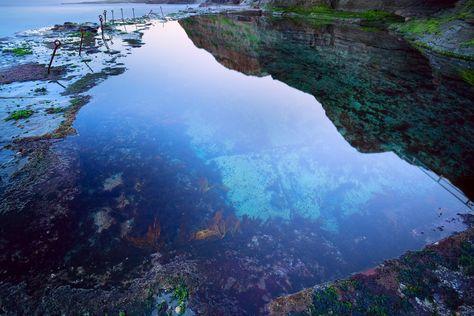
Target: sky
36	2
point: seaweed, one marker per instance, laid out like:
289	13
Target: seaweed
466	259
19	114
326	13
468	76
41	90
19	51
54	110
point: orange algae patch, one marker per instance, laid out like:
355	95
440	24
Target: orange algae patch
151	238
218	227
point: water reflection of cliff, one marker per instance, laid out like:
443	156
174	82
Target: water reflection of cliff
381	94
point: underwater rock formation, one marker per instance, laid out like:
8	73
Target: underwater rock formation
367	80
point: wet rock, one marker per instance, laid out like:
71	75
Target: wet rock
75	27
438	278
92	79
103	220
30	72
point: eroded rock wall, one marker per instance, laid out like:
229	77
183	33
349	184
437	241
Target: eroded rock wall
401	7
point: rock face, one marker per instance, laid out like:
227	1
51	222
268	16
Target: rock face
381	94
401	7
437	280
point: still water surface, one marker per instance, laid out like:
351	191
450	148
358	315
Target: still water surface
196	146
266	173
17	16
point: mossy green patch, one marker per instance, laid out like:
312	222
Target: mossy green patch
41	90
327	13
466	260
433	25
469	43
76	101
19	51
332	301
92	79
54	110
421	27
78	34
181	294
468	76
19	114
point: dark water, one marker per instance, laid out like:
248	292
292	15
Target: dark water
269	154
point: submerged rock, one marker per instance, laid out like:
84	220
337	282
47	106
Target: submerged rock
113	181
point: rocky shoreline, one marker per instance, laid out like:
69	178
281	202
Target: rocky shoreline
436	280
33	175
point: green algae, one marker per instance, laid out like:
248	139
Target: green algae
466	259
181	294
422	26
87	34
77	101
19	114
333	300
41	90
91	79
469	43
422	31
19	51
468	76
326	13
424	46
54	110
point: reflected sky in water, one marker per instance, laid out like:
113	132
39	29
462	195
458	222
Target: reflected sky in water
17	16
184	167
277	153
